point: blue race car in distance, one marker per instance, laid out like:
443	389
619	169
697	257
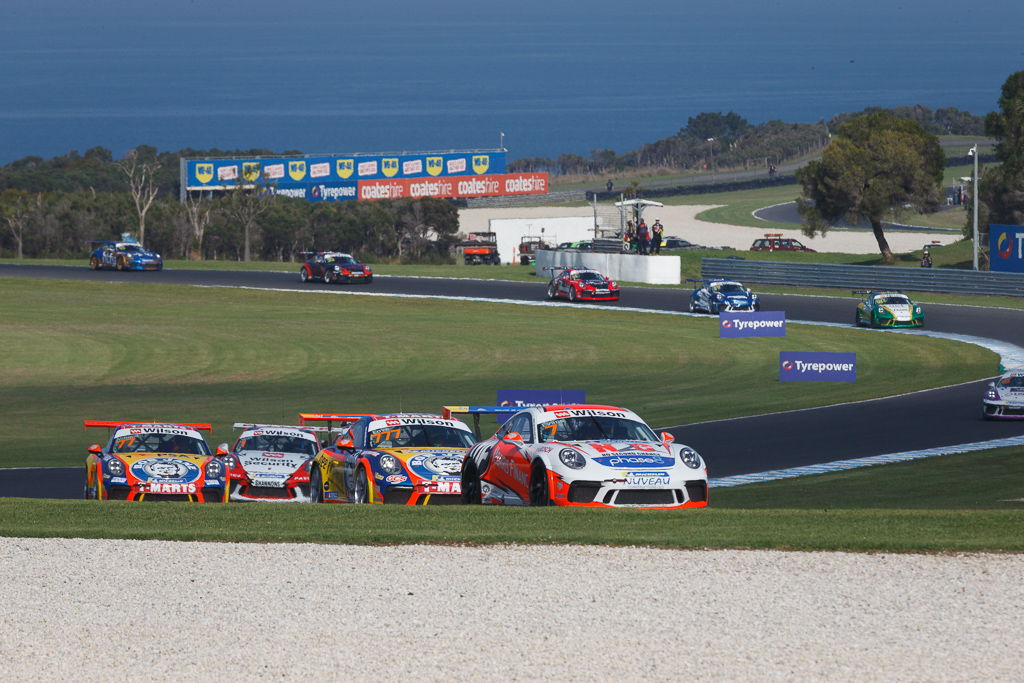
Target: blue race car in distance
715	296
124	254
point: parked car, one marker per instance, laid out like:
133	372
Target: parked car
334	266
776	242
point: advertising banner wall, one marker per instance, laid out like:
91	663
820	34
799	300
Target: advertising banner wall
447	188
817	366
1006	248
752	324
538	397
224	174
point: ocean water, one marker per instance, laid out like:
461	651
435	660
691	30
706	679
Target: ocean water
542	78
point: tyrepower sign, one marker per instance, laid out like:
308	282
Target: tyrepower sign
815	366
455	187
1006	248
752	324
522	398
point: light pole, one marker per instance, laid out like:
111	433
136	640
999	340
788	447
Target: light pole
711	148
501	141
974	202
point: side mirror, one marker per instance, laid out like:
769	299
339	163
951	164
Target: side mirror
96	449
345	443
514	436
667	438
222	449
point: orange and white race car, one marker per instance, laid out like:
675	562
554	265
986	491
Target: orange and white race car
584	455
154	461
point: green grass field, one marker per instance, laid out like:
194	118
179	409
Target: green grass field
77	350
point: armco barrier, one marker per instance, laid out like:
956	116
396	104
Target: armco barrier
865	277
654	270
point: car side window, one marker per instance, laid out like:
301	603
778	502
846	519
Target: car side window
524	425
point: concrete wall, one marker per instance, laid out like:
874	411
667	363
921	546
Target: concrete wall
509	232
654	270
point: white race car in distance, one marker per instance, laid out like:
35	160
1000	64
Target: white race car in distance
583	455
1004	398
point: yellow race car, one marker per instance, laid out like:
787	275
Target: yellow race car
407	459
154	461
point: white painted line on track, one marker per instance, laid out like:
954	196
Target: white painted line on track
839	465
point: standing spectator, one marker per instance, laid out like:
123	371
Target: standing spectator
656	232
610	185
643	238
629	240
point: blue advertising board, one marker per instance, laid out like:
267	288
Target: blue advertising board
1006	248
302	171
733	324
817	366
523	398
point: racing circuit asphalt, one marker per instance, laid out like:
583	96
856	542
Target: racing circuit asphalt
928	419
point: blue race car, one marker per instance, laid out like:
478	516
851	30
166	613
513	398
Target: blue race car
715	296
124	254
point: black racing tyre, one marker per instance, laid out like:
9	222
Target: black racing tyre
551	290
540	494
856	318
572	294
361	486
303	274
316	485
94	263
328	277
471	492
693	307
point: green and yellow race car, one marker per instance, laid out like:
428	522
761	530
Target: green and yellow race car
887	309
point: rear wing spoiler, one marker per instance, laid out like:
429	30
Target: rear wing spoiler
114	424
476	411
252	425
330	418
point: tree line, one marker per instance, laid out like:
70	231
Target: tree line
239	225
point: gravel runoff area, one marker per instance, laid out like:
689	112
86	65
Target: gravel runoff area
681	221
155	610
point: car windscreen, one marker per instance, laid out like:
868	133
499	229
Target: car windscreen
892	300
729	288
343	261
160	443
132	248
420	436
277	443
590	276
594	428
1012	382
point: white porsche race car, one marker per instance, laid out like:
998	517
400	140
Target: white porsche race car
271	462
1004	398
583	455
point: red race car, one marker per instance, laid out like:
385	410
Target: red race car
581	284
334	266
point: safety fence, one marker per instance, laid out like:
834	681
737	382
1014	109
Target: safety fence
865	277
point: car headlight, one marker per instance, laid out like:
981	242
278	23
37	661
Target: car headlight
337	268
115	467
690	458
572	458
918	310
991	396
390	464
214	469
